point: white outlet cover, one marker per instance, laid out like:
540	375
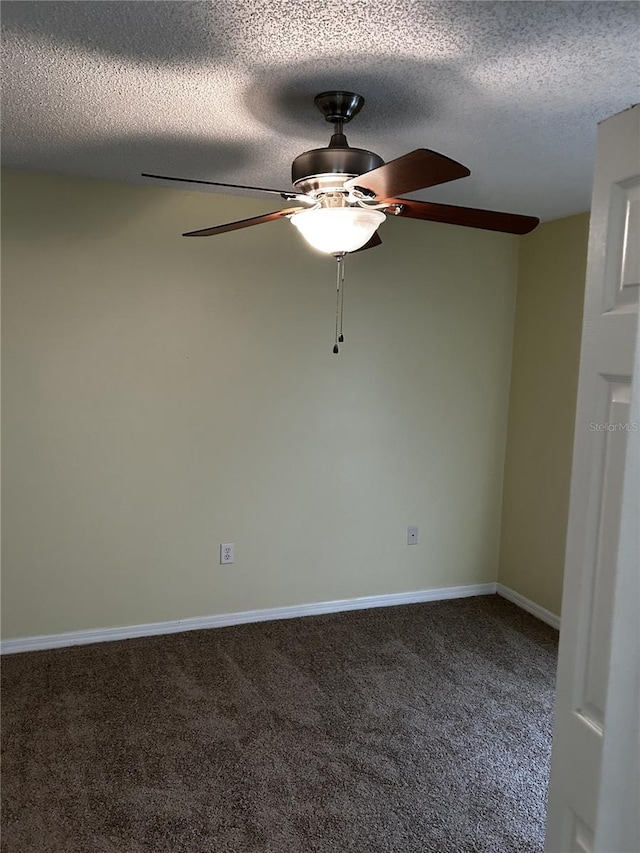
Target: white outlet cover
412	535
227	554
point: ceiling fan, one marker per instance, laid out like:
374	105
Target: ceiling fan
344	194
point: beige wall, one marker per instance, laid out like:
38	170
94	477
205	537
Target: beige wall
544	381
163	395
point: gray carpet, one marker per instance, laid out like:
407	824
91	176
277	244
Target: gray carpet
418	729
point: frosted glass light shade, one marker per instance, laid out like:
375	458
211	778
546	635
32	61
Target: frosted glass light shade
336	230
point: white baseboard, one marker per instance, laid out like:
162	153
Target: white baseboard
528	605
102	635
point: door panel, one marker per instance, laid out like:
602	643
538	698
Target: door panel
594	570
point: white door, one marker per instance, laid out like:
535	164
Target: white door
594	798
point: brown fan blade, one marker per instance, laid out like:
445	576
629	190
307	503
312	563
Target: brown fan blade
491	220
286	194
373	242
242	223
415	171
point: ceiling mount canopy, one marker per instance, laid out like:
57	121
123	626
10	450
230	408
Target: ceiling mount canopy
339	107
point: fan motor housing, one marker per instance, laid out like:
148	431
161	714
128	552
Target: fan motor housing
311	170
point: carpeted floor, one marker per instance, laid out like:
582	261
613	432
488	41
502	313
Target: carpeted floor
418	729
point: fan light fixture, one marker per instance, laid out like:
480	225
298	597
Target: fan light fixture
338	230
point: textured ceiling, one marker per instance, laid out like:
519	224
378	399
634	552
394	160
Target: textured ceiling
224	90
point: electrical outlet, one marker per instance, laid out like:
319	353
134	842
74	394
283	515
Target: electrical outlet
412	535
226	553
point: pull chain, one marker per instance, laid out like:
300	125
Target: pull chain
341	336
339	283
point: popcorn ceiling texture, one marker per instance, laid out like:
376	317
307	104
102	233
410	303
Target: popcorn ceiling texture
224	90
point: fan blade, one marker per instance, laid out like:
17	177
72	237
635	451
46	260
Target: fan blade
286	194
242	223
491	220
373	242
415	171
